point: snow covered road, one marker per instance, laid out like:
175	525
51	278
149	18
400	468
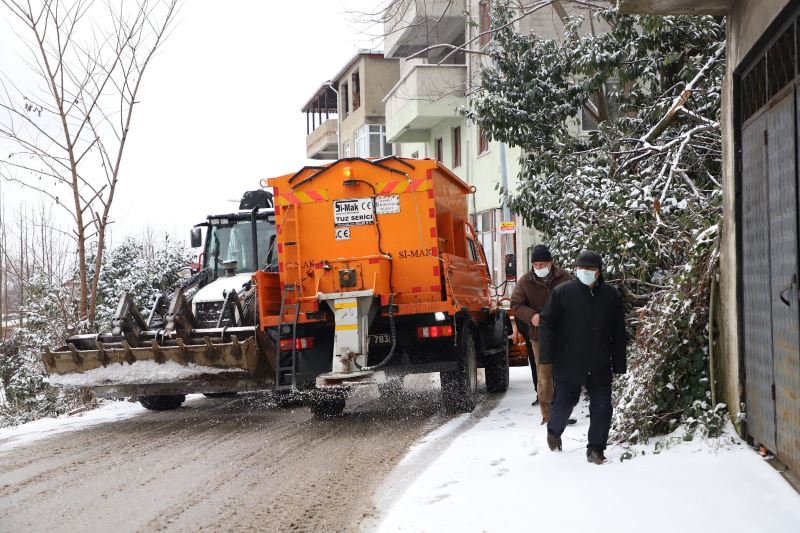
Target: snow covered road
243	464
226	464
500	476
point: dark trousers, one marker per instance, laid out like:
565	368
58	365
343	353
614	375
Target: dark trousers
600	409
522	327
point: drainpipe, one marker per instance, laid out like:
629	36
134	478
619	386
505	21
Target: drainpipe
329	83
468	159
506	211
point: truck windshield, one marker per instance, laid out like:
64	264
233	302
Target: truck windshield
233	242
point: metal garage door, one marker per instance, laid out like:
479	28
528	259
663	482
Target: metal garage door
757	308
770	197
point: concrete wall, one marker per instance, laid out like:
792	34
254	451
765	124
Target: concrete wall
376	77
379	76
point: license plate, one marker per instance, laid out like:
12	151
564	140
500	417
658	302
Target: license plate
380	338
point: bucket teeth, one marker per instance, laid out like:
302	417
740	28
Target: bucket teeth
76	357
236	348
158	355
210	351
102	356
129	357
233	354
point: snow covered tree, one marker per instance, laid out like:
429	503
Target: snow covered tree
621	137
135	268
66	133
51	313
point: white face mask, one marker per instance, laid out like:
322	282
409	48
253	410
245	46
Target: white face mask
587	277
542	272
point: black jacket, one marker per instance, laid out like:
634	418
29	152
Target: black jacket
582	331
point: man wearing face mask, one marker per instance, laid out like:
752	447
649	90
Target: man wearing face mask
582	333
527	301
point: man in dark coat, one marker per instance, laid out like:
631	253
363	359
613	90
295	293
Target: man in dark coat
582	333
529	296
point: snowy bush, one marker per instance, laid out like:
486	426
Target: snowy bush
135	268
642	188
50	314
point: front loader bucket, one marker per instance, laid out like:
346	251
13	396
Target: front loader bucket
234	355
211	355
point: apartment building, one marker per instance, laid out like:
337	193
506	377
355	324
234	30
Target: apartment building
345	116
435	83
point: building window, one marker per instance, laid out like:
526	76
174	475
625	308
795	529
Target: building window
590	111
438	150
485	22
370	141
457	147
346	149
345	101
483	142
356	91
485	231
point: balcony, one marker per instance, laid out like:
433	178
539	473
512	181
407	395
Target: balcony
322	140
323	143
676	7
425	96
412	25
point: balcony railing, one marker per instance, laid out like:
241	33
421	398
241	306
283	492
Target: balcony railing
425	96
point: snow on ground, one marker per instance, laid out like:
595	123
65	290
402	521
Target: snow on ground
499	475
140	372
112	411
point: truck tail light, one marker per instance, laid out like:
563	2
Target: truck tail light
300	343
431	332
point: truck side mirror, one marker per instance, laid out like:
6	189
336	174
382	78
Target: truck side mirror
194	238
511	267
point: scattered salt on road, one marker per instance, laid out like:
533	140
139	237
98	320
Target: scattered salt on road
499	475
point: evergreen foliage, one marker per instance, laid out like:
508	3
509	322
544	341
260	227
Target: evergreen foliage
50	314
135	268
642	189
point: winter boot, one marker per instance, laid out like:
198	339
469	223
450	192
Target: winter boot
595	456
553	442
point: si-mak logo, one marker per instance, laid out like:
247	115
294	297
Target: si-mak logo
409	254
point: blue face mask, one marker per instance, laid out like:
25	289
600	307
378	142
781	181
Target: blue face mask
587	277
542	272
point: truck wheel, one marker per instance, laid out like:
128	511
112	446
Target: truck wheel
162	403
496	369
326	404
459	386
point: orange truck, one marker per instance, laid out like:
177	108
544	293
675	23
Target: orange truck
380	270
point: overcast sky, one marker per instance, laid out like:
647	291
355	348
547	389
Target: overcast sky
220	105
